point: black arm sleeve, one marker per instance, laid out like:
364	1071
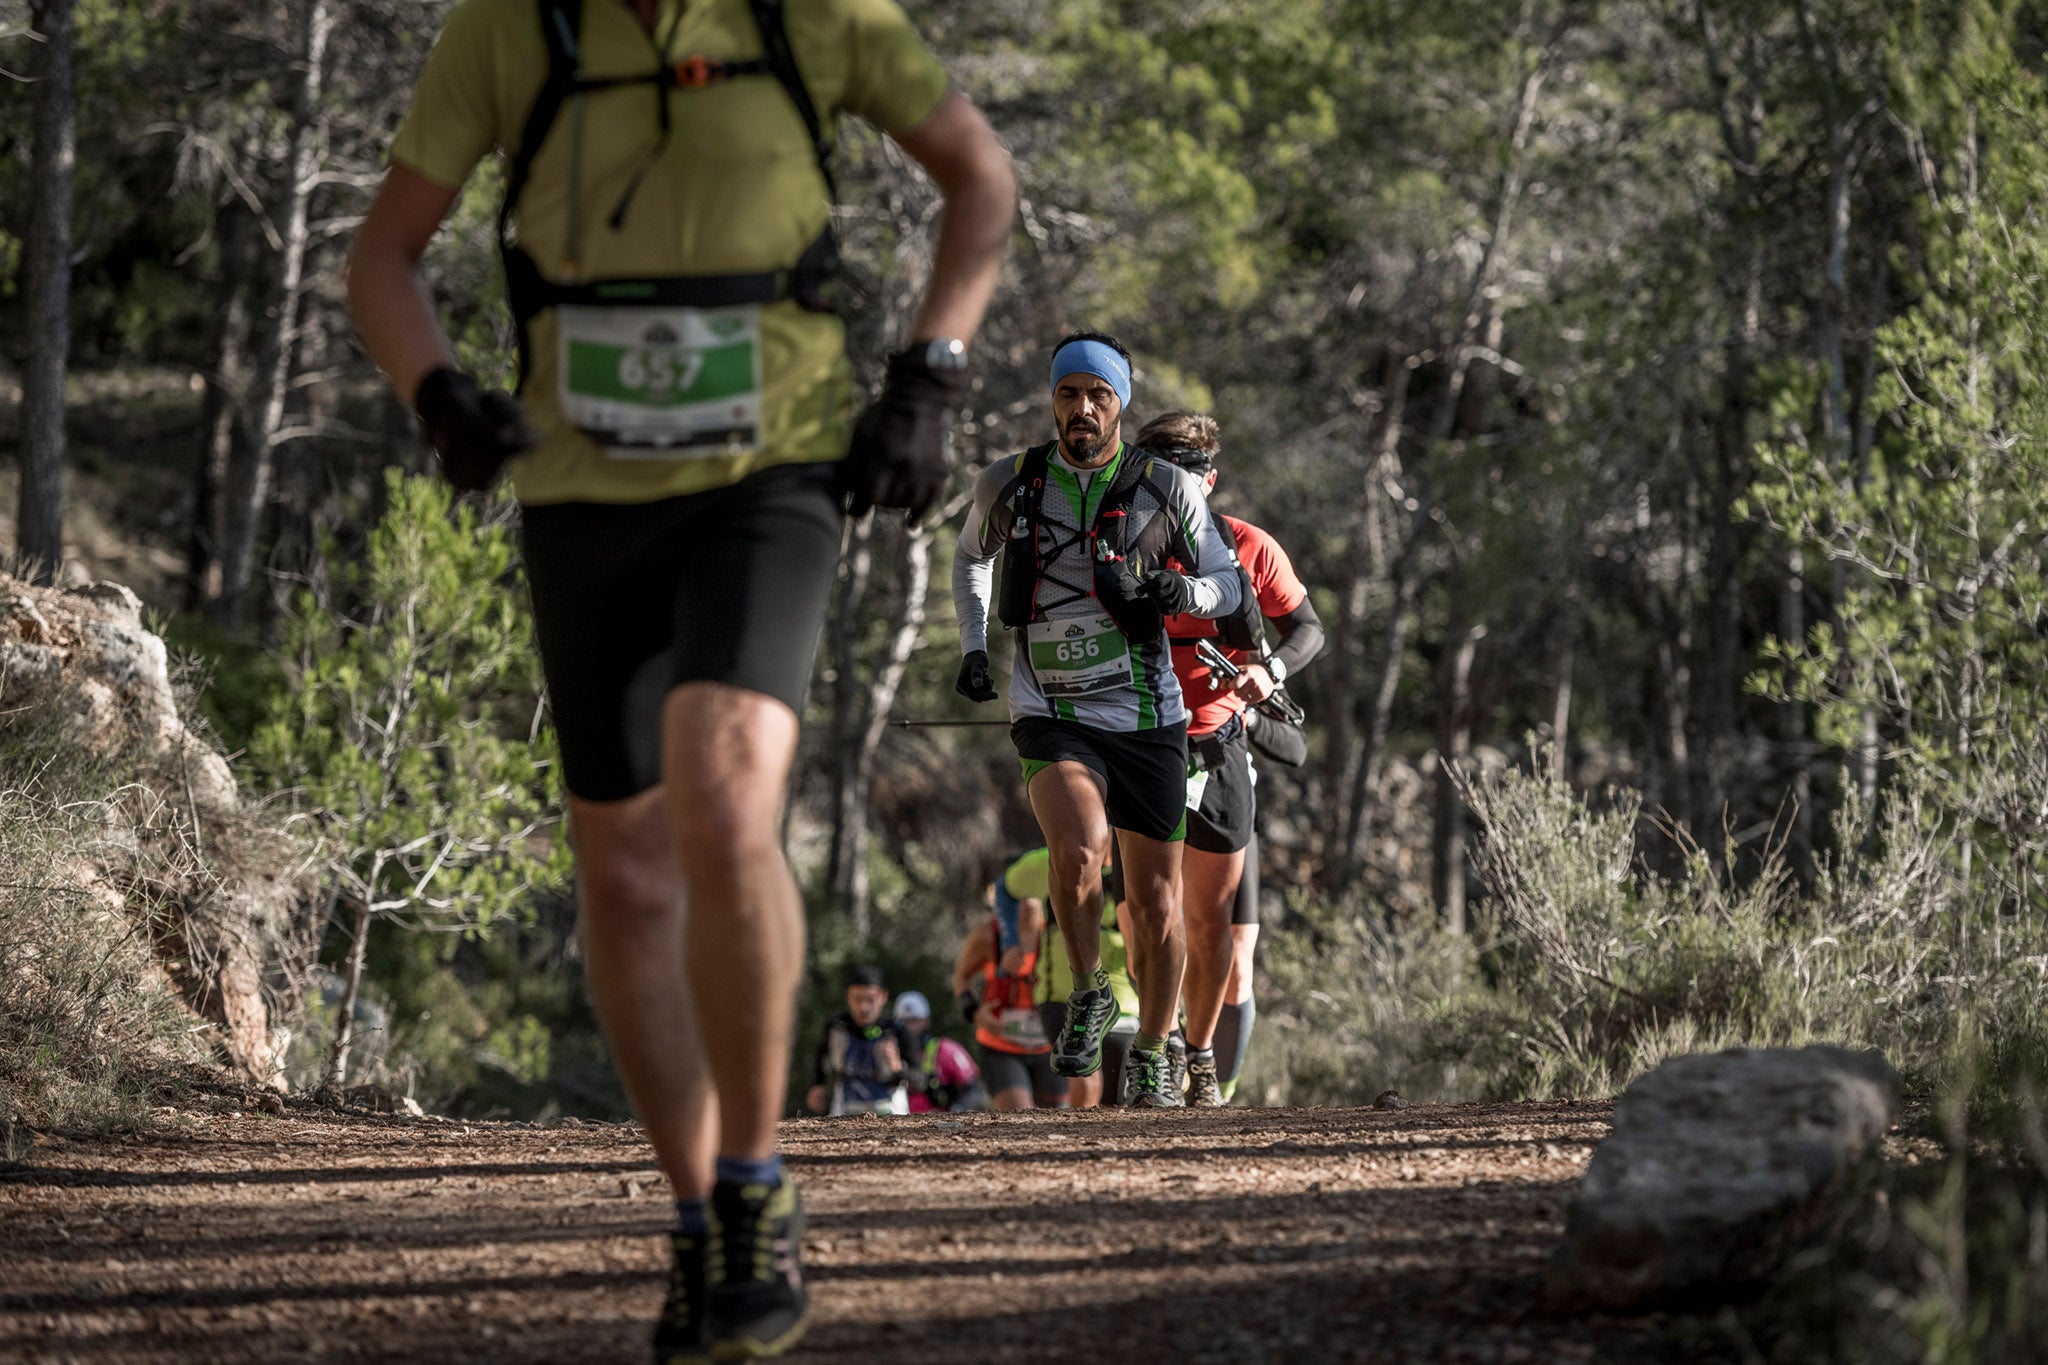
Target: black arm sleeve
1301	637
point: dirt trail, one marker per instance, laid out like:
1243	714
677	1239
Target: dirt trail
1235	1235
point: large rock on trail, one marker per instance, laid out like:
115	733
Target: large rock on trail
1718	1165
216	888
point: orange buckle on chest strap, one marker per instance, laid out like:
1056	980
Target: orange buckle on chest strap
698	70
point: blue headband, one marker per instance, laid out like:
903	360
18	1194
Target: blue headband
1092	357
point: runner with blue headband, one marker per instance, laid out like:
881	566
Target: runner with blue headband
1089	531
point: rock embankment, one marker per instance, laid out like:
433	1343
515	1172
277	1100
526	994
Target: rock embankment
1718	1165
220	902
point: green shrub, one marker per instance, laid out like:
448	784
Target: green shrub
406	731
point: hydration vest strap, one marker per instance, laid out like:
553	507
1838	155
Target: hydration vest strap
1023	499
780	59
530	291
1023	564
1243	629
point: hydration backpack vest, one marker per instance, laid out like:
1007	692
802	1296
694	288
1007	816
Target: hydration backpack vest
1029	593
1245	628
529	291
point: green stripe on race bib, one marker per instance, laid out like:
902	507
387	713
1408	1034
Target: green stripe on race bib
659	377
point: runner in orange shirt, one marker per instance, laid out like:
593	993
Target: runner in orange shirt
1220	899
1000	1001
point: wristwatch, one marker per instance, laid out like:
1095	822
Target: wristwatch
1276	667
944	353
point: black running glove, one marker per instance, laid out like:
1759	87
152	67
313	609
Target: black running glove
475	433
898	455
1116	581
969	1003
975	682
1172	593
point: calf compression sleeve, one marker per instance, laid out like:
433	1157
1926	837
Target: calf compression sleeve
1234	1037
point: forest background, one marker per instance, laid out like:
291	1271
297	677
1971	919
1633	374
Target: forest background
1649	393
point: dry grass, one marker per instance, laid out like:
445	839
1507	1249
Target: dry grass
89	1023
1585	970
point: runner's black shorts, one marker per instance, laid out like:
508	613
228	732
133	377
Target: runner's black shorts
629	600
1221	822
1031	1071
1146	771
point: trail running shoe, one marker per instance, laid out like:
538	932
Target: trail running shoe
1148	1081
1205	1091
1078	1049
682	1335
1177	1062
759	1307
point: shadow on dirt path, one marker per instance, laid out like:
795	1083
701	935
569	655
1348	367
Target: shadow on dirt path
1234	1235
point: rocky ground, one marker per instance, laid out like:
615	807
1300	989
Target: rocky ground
1236	1235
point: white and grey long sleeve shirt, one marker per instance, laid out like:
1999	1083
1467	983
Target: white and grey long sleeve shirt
1074	664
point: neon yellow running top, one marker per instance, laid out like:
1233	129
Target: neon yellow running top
1031	877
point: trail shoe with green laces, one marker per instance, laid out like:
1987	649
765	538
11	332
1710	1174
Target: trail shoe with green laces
1205	1089
1078	1049
1148	1081
759	1307
682	1334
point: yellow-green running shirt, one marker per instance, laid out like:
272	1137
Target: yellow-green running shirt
736	190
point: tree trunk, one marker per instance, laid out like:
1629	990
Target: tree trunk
1365	772
1792	728
848	819
1347	849
250	488
1454	749
881	698
1563	654
1473	321
225	420
351	986
1716	669
39	520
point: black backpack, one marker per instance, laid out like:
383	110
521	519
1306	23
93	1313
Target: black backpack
1244	628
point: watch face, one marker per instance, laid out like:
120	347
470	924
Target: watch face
946	353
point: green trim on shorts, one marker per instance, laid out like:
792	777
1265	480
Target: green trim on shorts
1180	831
1034	766
1148	717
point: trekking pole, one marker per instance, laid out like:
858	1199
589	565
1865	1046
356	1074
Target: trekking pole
943	724
1279	705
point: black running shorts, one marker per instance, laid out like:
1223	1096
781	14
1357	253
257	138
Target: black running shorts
1146	771
629	600
1221	822
1030	1071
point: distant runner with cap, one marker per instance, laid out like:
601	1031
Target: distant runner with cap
943	1076
1220	878
1085	528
